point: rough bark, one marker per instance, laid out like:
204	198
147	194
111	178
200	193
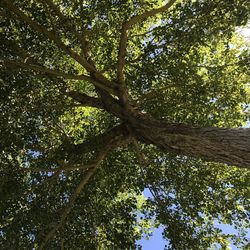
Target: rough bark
225	145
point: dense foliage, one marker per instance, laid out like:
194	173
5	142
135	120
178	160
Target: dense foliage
68	178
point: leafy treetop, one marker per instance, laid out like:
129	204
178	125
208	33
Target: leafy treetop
101	100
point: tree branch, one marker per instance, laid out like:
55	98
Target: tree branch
113	143
152	12
51	72
122	53
124	36
118	133
68	166
55	73
68	208
103	81
100	143
85	100
41	29
66	20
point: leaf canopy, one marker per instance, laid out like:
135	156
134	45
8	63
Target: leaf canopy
187	64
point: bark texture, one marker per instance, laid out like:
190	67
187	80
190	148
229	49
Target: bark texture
225	145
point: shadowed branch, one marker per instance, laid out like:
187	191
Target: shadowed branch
113	143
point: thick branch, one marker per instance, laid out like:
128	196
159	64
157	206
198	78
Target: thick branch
152	12
225	145
118	133
55	73
41	29
85	100
122	53
100	143
124	35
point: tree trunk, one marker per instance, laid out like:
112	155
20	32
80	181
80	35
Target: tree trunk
225	145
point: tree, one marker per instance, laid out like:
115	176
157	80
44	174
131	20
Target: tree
102	99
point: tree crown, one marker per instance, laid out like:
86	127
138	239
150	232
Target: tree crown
101	100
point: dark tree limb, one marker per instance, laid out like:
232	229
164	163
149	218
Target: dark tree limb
55	73
82	98
118	133
85	100
43	30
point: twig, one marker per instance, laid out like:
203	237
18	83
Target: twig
143	162
151	94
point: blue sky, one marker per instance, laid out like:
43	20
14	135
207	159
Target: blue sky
156	241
